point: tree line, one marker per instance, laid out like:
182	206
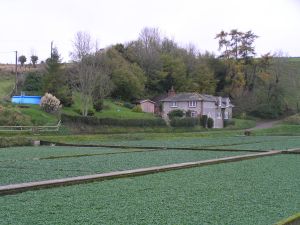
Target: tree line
152	64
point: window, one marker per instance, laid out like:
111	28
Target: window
219	115
192	104
174	105
193	113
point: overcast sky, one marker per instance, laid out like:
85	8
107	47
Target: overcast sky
29	26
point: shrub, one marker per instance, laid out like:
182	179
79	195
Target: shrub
50	103
229	123
184	122
98	104
210	122
94	121
203	121
175	113
14	141
188	113
137	108
10	116
128	105
33	82
294	120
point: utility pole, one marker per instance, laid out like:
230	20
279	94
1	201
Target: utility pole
51	49
16	79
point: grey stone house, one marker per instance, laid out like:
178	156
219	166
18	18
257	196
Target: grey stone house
216	107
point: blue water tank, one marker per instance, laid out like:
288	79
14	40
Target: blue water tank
26	99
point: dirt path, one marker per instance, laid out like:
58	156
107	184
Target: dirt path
265	124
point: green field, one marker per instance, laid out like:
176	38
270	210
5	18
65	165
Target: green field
187	141
7	83
261	191
26	164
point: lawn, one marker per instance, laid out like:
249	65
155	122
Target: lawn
24	164
260	191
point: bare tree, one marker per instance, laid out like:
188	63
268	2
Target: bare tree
89	73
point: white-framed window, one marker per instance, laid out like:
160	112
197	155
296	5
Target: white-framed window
219	115
193	113
192	104
173	105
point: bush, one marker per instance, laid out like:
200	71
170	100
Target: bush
33	83
229	123
137	108
98	104
210	123
94	121
50	103
10	116
175	113
203	121
14	141
184	122
188	113
128	105
294	120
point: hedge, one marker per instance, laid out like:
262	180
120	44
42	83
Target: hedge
14	141
185	122
95	121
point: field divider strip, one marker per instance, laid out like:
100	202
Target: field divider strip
17	188
204	148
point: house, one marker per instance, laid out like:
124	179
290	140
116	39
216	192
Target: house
147	105
216	107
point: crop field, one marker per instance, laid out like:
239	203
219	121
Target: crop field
238	142
26	164
260	191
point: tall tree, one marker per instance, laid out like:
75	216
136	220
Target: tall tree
22	59
34	60
88	72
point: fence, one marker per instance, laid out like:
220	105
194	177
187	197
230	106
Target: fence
34	129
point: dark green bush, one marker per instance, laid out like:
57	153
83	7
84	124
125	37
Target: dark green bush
90	112
33	83
210	123
98	104
128	105
175	113
94	121
184	122
188	113
229	123
137	108
203	121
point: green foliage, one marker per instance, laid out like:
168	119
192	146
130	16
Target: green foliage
90	112
94	121
22	59
210	123
56	81
14	141
293	120
229	123
11	116
184	122
203	121
137	109
34	60
128	105
33	83
97	104
175	113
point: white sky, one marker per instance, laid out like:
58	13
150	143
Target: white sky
30	25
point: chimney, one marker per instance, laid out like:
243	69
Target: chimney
220	101
171	92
